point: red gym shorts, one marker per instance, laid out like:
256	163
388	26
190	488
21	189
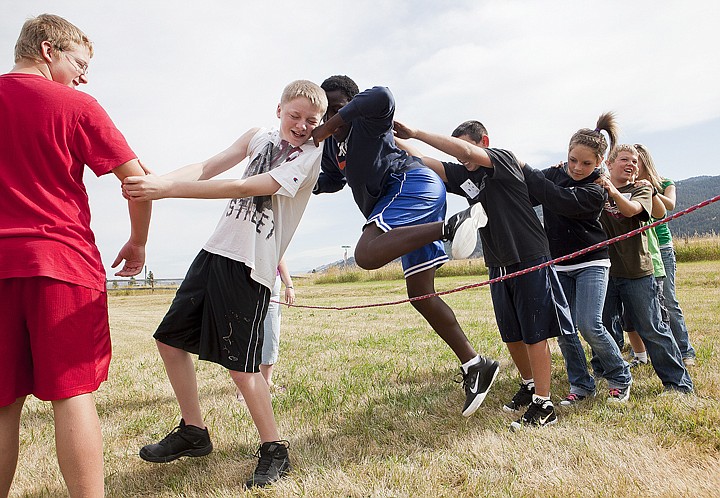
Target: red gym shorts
54	339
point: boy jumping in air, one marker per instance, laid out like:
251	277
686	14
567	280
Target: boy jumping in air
404	203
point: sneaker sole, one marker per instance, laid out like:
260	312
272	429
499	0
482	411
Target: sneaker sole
507	409
481	396
166	459
467	232
516	426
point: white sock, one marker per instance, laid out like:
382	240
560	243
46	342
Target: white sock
529	382
466	366
642	357
541	399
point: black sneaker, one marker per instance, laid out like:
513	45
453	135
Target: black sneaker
273	464
523	397
477	383
539	414
183	440
462	230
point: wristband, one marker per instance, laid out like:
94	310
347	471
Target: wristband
289	287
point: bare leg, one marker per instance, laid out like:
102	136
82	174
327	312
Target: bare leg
539	355
181	372
636	342
438	314
519	353
9	443
257	397
79	445
267	373
377	248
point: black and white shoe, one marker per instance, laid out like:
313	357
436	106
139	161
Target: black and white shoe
462	230
273	464
183	440
476	383
523	397
540	413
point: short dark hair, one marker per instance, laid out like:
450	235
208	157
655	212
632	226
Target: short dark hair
343	83
473	129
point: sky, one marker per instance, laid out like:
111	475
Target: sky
183	80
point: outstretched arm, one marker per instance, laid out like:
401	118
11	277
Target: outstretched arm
219	163
433	164
151	187
133	252
193	181
471	156
581	202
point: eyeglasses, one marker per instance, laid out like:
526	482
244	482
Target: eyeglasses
81	66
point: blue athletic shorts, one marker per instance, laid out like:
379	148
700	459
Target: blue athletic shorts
413	197
532	307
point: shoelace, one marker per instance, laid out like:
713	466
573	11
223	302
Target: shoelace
265	461
174	434
615	393
572	397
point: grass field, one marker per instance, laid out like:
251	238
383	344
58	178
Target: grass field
372	410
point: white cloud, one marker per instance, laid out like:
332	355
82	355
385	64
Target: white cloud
183	81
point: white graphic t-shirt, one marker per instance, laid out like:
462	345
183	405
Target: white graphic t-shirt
257	230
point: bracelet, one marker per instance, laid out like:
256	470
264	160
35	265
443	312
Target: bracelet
289	287
655	192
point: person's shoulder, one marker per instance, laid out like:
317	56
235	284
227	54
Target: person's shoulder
503	155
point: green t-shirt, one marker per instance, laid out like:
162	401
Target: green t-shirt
629	258
654	248
663	231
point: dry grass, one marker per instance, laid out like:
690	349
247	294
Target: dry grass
371	411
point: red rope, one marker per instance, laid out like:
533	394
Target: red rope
526	270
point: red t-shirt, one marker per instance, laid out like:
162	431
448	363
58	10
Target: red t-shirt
49	133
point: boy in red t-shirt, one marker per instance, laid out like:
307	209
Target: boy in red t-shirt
55	340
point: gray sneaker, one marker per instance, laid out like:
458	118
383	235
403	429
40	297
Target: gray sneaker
273	464
619	395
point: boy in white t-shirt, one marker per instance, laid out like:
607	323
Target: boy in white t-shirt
219	308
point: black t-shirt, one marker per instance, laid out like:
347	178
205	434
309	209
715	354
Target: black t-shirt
513	233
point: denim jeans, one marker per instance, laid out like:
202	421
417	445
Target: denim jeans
585	291
271	327
640	300
677	320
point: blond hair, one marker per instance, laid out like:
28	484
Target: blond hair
307	89
60	33
615	151
595	140
650	172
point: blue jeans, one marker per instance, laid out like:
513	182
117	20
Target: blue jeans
585	291
640	300
677	320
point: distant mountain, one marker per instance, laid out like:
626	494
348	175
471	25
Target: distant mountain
689	193
336	264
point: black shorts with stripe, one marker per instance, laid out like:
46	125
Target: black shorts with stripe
218	314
